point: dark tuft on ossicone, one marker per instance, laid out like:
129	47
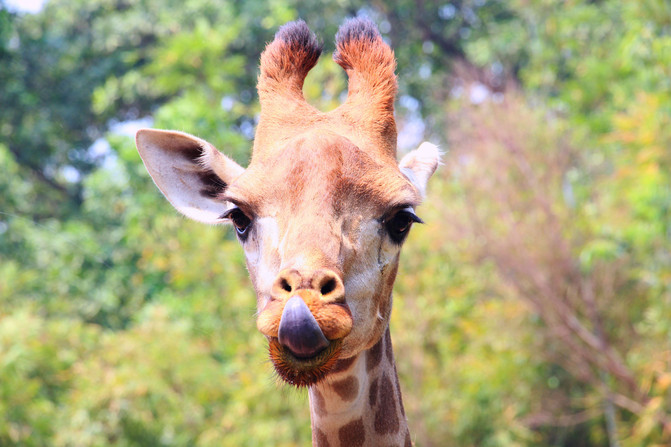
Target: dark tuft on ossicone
359	44
298	37
358	28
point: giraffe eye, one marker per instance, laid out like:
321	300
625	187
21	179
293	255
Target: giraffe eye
240	221
399	225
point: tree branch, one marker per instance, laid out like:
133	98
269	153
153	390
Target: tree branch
37	172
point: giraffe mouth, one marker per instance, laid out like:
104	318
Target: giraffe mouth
299	371
305	335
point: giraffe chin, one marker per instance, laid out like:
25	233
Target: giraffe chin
301	372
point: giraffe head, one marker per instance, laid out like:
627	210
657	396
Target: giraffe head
323	207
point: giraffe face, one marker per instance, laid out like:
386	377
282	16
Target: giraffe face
321	222
325	224
322	209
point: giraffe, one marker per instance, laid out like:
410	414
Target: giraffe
321	212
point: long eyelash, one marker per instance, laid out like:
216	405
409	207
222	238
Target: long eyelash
413	217
227	213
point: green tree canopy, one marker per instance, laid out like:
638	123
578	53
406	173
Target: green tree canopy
531	310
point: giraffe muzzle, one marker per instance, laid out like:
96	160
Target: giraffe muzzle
305	334
299	331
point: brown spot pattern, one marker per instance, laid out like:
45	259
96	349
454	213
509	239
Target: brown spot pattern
372	393
353	434
319	403
347	388
386	417
398	389
388	348
320	439
343	365
374	355
392	278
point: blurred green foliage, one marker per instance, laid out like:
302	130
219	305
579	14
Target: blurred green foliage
531	310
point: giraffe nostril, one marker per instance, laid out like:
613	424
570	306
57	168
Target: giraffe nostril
328	287
285	285
287	282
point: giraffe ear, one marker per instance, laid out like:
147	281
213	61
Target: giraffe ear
420	164
190	172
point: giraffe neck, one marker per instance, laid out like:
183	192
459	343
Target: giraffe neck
360	402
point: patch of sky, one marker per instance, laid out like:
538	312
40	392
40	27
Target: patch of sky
27	6
412	126
227	103
101	149
478	93
447	12
425	71
428	46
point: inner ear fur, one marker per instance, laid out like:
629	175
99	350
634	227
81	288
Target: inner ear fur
419	165
189	171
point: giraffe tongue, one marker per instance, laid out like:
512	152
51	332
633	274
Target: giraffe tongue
299	332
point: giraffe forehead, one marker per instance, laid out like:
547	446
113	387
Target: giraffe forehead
323	173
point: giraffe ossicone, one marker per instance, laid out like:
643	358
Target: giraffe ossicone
321	212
